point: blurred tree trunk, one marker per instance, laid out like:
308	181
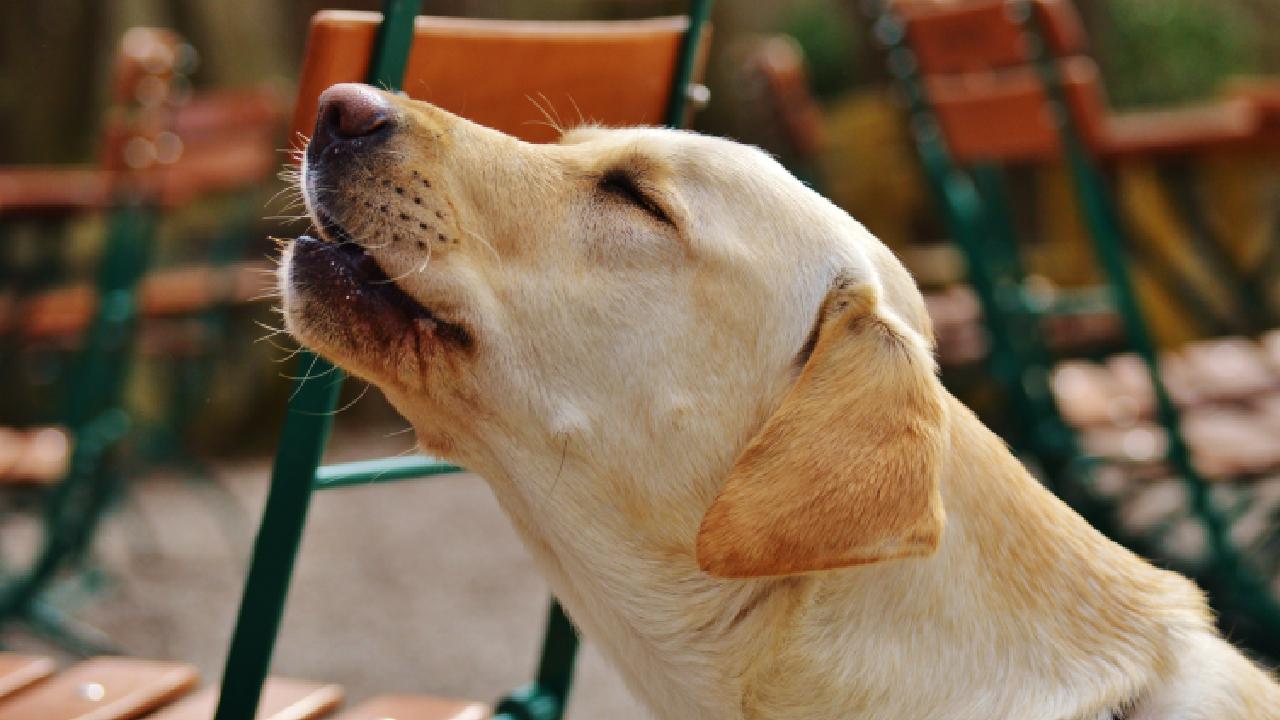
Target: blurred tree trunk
1266	14
240	41
53	60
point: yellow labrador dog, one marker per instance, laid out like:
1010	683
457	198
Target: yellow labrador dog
706	398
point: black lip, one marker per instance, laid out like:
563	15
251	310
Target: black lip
362	269
356	268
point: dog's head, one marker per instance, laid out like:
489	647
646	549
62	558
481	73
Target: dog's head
674	314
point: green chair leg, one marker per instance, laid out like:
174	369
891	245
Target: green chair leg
302	443
298	456
545	698
92	411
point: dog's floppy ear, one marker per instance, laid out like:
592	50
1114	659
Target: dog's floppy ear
846	471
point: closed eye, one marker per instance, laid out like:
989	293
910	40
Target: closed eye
620	184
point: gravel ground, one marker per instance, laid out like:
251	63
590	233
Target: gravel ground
409	587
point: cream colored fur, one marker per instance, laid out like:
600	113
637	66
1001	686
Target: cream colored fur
620	365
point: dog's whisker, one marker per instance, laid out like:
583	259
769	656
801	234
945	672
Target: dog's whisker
309	376
264	296
564	452
549	121
403	275
290	190
269	328
344	408
582	120
482	240
289	354
307	372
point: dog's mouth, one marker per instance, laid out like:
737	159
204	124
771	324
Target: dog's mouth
329	228
354	277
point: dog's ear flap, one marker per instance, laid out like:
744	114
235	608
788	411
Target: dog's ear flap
846	471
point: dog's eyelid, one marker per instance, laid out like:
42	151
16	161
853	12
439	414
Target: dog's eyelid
623	183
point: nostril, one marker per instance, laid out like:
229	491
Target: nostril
349	111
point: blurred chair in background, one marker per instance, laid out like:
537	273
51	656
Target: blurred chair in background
162	150
124	688
1076	327
995	85
779	63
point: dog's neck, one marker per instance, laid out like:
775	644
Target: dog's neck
618	550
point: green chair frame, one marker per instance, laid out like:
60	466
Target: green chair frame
296	472
93	408
93	411
975	207
96	421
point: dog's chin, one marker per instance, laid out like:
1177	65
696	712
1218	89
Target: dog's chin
339	301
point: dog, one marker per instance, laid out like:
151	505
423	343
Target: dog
707	400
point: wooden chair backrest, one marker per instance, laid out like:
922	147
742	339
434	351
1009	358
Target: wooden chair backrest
150	66
158	140
780	61
498	72
172	145
952	36
988	97
229	139
1005	116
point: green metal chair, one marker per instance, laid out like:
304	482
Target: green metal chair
93	414
161	150
341	48
996	83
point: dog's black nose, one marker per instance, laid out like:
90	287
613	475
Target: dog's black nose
347	112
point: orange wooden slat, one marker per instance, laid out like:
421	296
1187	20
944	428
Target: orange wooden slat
1229	124
34	456
169	292
992	105
494	72
20	671
282	699
103	688
227	138
950	36
416	707
231	111
781	62
1004	115
52	189
228	164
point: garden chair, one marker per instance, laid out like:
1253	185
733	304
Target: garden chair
223	143
992	84
776	64
157	155
1074	325
626	72
122	688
